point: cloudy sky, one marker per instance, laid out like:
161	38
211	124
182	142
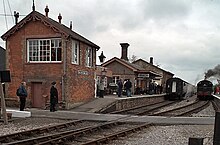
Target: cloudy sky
183	36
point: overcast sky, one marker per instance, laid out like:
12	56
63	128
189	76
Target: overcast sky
183	36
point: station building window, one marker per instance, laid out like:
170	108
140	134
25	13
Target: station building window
75	52
44	50
89	57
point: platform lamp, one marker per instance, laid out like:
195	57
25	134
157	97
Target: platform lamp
102	59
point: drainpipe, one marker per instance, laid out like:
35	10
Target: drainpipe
64	71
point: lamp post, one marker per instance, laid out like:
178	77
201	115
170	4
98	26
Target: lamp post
103	72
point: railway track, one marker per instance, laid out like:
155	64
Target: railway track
92	134
184	110
144	109
16	137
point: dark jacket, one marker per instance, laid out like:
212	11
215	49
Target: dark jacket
128	85
22	91
53	95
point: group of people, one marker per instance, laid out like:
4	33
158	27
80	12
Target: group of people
127	85
22	94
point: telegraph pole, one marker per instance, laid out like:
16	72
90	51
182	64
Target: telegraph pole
4	77
3	106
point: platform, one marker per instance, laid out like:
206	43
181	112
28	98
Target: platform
86	112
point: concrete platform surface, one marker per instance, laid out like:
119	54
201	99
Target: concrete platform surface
19	114
96	104
125	118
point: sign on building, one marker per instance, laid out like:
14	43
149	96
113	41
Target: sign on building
143	75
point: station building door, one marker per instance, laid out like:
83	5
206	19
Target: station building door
37	98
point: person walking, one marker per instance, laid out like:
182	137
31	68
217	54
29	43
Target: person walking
101	88
53	97
22	94
128	86
120	86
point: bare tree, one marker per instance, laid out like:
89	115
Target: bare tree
132	58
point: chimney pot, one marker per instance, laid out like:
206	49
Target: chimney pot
151	60
71	25
16	15
60	18
124	51
46	11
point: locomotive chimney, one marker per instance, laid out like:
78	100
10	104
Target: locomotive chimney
124	51
151	60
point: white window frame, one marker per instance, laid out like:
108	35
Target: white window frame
115	79
75	52
43	51
89	62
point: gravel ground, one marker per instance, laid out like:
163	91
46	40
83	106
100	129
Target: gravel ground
173	135
168	135
23	124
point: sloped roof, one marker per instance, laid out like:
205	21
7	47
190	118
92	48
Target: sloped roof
56	26
134	67
153	66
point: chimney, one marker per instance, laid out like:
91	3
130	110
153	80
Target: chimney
33	7
151	60
16	15
124	51
46	11
71	26
60	18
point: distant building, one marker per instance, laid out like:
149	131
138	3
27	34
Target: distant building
41	50
164	75
2	58
123	69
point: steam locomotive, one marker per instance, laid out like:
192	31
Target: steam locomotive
178	89
205	90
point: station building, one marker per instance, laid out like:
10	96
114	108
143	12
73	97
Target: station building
40	50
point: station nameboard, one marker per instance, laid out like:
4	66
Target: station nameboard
143	75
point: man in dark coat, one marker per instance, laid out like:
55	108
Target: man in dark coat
120	86
53	97
22	94
128	86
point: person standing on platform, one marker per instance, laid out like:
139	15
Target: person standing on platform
128	86
53	97
22	94
101	88
120	86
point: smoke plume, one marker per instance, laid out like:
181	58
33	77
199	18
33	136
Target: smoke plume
213	72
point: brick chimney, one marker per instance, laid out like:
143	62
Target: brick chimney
124	51
60	18
46	11
151	60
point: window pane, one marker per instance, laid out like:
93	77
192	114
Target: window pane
75	52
